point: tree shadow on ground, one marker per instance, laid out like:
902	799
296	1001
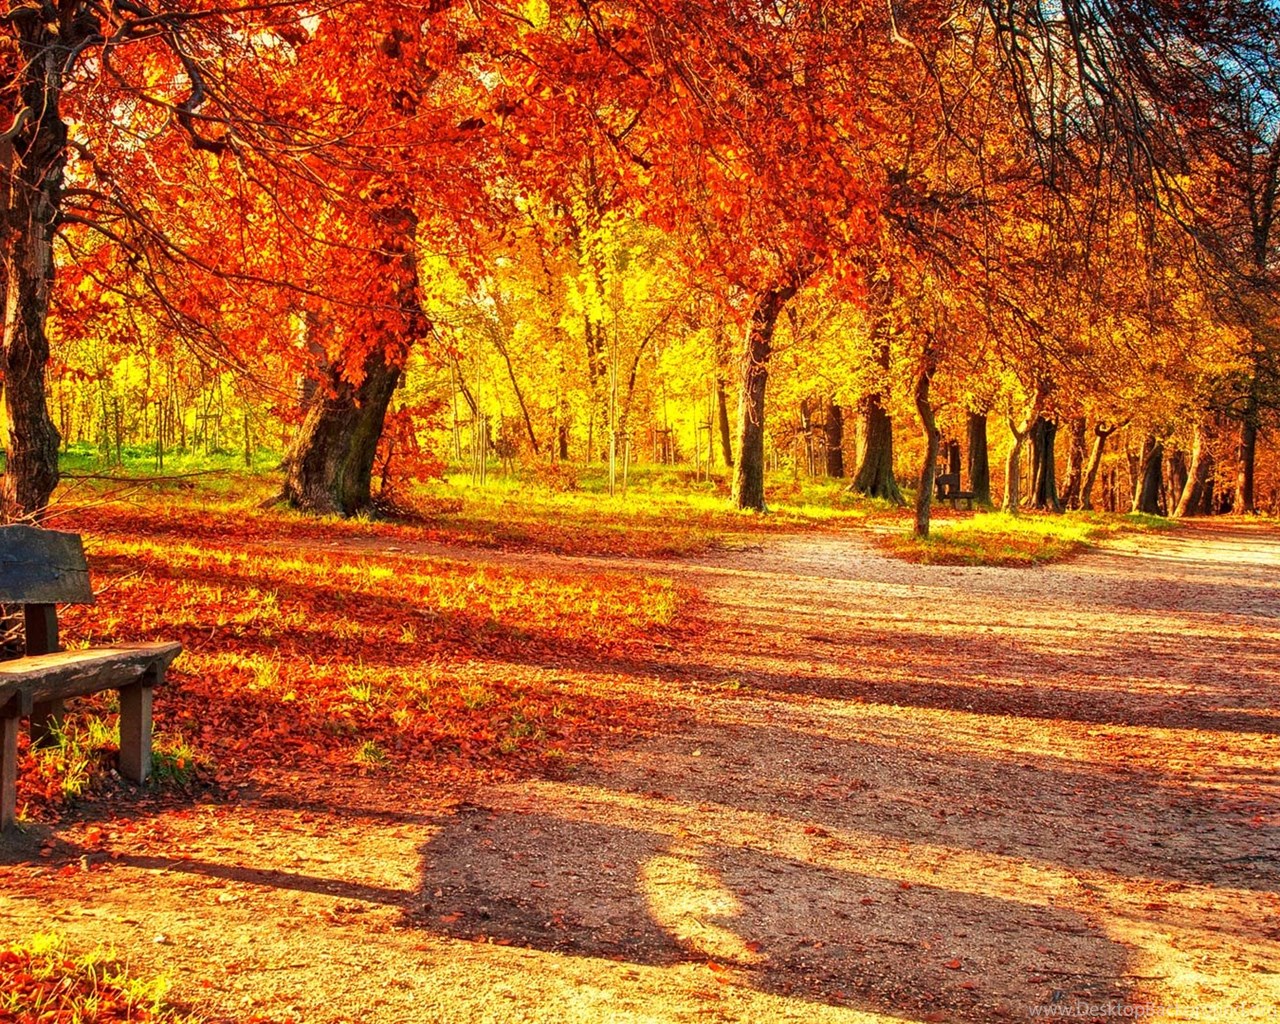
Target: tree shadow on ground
776	924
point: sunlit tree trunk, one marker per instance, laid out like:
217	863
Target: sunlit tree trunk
32	161
1013	462
722	418
1177	477
1246	456
1075	464
932	439
1193	491
748	477
979	458
1100	435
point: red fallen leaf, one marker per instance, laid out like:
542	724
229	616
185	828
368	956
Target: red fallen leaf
867	901
952	965
754	947
970	985
450	918
904	885
718	968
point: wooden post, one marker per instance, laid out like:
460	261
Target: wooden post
8	765
135	727
42	638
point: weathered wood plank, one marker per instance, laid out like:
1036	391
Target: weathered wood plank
76	673
42	567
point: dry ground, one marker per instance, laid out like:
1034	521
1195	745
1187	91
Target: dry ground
887	792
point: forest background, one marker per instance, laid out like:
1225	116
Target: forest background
1034	240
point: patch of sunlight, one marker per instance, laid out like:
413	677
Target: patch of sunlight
687	898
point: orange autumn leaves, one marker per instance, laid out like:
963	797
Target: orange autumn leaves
366	658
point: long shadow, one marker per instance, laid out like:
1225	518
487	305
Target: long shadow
779	925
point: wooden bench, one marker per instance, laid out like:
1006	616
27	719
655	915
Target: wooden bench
947	488
40	569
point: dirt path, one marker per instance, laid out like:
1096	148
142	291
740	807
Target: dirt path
899	792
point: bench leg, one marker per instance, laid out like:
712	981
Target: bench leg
46	720
8	769
135	730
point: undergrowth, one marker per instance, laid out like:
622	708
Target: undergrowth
41	981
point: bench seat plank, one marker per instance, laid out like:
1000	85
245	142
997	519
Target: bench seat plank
46	677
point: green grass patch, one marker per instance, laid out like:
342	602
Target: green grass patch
998	538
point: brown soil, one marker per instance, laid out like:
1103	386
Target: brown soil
889	792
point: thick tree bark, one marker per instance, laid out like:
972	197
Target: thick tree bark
835	439
874	474
1044	485
1246	454
32	161
329	467
1193	491
979	459
1075	464
722	417
1150	475
932	439
748	476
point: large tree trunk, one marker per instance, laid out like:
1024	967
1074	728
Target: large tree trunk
748	477
979	458
1044	485
1075	464
835	439
1150	476
32	160
328	469
722	417
1247	452
932	439
1193	491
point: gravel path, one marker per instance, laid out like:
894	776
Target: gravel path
896	792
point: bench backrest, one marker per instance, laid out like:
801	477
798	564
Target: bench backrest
42	567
